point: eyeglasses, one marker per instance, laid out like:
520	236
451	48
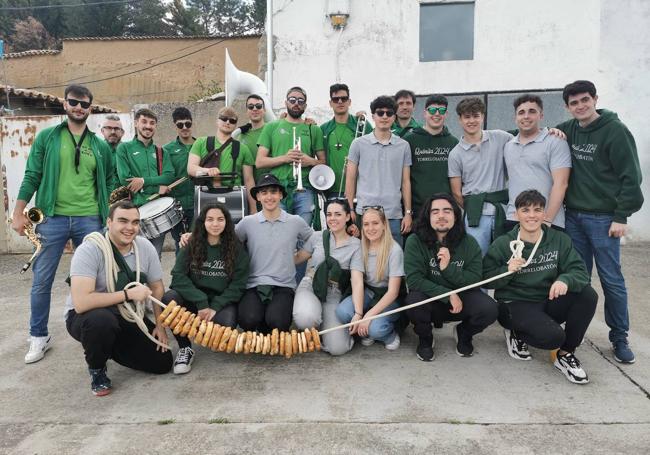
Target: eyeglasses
257	106
186	125
337	199
294	100
365	208
114	129
384	112
73	102
340	99
232	121
432	110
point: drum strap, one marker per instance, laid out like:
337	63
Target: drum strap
159	158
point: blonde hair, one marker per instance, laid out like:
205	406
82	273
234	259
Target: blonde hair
385	246
227	111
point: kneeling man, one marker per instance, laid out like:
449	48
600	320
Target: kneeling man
438	258
553	289
92	314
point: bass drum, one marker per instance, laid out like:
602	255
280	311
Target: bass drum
235	199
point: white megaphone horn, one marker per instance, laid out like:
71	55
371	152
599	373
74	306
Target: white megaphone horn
321	177
243	83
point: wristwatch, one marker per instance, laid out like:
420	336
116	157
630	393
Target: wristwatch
408	212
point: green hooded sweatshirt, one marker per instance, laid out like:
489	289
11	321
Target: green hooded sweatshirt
134	159
423	271
42	170
606	175
429	155
555	260
210	287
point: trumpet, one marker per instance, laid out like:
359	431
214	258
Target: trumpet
297	167
35	216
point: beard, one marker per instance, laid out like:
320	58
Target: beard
75	119
295	113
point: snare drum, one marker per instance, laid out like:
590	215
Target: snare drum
159	216
234	198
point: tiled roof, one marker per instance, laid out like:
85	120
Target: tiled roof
34	94
32	53
149	37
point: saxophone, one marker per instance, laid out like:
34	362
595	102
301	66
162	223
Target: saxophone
35	216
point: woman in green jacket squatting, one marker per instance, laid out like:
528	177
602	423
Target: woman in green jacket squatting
209	277
327	281
553	289
439	258
377	271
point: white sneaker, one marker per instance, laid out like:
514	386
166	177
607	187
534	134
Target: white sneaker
38	346
184	359
393	345
367	341
570	366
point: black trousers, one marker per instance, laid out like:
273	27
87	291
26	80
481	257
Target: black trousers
479	311
105	334
253	314
227	316
538	323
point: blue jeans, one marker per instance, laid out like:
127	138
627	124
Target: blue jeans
381	329
55	232
590	235
396	230
483	232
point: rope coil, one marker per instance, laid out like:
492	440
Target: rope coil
131	311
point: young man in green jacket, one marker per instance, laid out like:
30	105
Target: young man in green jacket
177	151
552	289
338	134
142	168
430	147
604	190
439	258
69	168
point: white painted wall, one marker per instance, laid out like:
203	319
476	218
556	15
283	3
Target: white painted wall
518	45
16	138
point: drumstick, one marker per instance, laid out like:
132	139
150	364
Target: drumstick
171	187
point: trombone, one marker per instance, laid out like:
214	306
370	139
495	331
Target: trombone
360	131
297	167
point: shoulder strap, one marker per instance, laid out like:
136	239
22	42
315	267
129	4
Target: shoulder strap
211	152
159	158
234	152
210	144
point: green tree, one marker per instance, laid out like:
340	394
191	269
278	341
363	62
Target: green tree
145	17
183	21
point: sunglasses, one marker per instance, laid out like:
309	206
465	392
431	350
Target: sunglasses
433	110
257	106
182	125
365	208
294	100
232	121
384	112
73	102
340	99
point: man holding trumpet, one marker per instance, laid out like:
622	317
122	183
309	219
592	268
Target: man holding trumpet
288	148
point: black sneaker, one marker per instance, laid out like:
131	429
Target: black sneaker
184	359
570	366
516	348
424	350
464	346
99	384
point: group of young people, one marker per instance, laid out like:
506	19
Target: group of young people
445	196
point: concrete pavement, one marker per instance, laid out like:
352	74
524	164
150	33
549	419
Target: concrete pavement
369	401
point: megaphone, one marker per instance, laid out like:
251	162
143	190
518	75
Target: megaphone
243	83
321	177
